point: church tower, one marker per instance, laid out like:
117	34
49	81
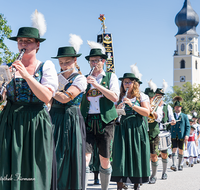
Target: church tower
186	55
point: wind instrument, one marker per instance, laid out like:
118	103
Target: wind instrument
155	103
170	122
5	83
117	122
91	71
65	71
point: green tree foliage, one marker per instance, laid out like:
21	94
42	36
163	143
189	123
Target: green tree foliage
190	95
6	56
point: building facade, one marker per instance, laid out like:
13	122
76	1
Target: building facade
186	55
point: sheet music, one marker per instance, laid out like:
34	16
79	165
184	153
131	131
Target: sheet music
62	82
5	75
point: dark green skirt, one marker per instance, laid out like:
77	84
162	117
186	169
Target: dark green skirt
131	151
26	147
69	136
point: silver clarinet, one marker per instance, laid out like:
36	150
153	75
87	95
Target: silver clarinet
91	71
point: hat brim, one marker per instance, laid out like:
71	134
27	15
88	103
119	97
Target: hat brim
101	55
160	93
122	78
71	55
15	38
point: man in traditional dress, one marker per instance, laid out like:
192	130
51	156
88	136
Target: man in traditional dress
167	116
153	134
179	133
99	111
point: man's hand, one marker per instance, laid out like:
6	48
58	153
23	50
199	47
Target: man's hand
173	122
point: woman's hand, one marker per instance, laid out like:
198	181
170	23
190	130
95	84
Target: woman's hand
21	69
120	106
128	102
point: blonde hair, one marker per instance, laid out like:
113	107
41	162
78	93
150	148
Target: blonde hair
79	71
135	92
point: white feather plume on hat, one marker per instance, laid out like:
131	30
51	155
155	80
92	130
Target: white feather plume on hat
152	85
95	45
165	85
75	42
194	114
189	116
39	22
135	71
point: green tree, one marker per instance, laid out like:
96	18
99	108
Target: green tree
6	56
190	95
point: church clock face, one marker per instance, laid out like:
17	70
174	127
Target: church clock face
182	78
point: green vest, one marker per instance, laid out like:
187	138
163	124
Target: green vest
107	107
165	111
153	129
166	118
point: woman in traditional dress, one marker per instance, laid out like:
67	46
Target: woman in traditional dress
69	134
26	135
131	151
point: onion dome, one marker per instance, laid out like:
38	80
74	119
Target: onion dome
187	19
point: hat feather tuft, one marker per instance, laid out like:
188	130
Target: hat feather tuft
165	85
95	45
75	42
189	116
135	71
152	85
39	22
194	114
177	98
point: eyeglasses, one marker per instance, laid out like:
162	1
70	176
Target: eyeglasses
127	83
94	61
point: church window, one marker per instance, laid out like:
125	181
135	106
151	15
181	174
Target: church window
182	47
182	64
190	47
196	65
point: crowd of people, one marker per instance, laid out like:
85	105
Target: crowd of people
57	127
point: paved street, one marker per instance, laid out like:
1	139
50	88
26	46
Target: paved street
188	179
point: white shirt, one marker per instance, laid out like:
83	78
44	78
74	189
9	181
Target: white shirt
94	101
49	77
80	82
143	98
177	115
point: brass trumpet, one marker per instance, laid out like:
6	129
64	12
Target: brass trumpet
154	104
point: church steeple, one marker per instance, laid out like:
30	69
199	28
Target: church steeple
186	55
187	19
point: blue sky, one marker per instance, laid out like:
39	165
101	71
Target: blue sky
143	31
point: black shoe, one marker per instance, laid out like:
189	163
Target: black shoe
96	182
180	168
192	165
136	186
152	180
187	163
164	176
173	168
